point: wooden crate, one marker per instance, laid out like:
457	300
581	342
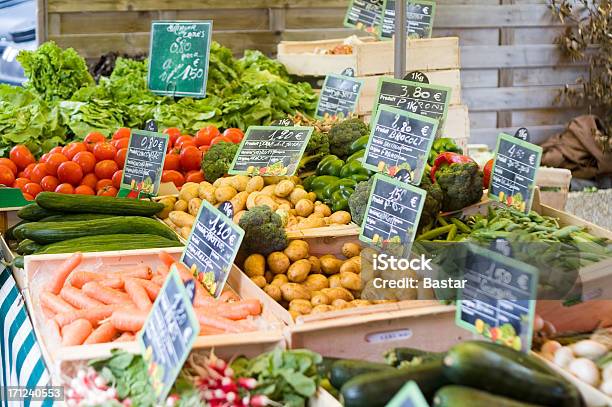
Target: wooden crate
64	360
368	58
554	186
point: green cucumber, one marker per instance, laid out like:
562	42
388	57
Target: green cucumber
27	246
344	370
495	370
33	212
324	368
103	243
50	232
18	262
396	356
9	234
70	217
97	204
377	388
460	396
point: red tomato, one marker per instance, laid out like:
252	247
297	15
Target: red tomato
27	172
84	190
21	156
7	178
92	139
195	176
191	158
120	157
122	132
90	180
28	197
86	160
234	134
70	172
204	149
184	139
172	162
39	172
103	183
65	189
106	169
173	176
173	133
121	143
219	139
44	158
108	191
49	183
8	163
204	136
54	150
104	151
117	176
33	189
54	161
72	149
20	183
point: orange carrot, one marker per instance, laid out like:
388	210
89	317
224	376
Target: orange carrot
126	319
53	329
106	332
104	294
61	273
137	293
159	280
79	277
76	332
151	287
112	282
55	303
162	270
78	298
47	312
166	258
210	330
125	337
221	323
93	315
138	271
235	310
229	295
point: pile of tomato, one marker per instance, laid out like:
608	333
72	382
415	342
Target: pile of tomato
95	165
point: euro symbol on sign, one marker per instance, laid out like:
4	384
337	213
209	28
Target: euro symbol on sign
424	130
425	10
522	282
531	159
413	202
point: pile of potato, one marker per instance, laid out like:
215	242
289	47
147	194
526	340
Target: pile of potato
306	284
284	195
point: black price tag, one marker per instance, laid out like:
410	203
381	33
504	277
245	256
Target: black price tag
348	72
416	76
271	150
400	141
339	96
283	122
365	15
514	172
522	134
150	125
227	208
419	19
144	162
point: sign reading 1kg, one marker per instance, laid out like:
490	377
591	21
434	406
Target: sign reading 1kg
179	56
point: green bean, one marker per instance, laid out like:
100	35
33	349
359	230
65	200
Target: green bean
435	233
566	231
461	226
441	220
452	233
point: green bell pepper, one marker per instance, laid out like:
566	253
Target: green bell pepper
324	162
320	182
340	198
340	184
330	167
308	181
359	177
360	144
356	155
352	167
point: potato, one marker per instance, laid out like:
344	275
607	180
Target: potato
350	266
239	182
340	218
349	280
194	206
304	207
208	194
322	209
321	308
260	281
225	193
341	304
273	180
268	190
189	191
330	264
302	306
338	292
284	207
185	231
294	291
262	199
278	262
360	303
279	279
181	219
350	249
311	196
298	271
181	206
168	207
315	263
250	203
297	194
255	265
284	188
269	276
297	250
239	201
255	184
221	182
320	298
316	282
334	281
238	216
168	222
310	223
273	291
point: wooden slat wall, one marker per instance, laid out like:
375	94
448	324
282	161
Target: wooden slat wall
511	69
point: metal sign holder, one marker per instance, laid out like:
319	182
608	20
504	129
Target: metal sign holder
400	39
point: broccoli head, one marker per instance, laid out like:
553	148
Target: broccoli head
342	135
433	202
358	201
461	184
264	232
217	160
317	148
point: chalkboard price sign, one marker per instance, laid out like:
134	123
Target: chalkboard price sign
144	162
399	141
419	19
420	98
498	298
271	150
365	15
178	57
514	171
212	246
339	96
409	396
392	213
168	335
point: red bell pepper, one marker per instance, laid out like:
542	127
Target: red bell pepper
487	173
447	158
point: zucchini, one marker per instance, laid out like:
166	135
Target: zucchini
18	262
50	232
103	243
377	388
18	231
324	368
504	373
459	396
97	204
9	234
27	246
70	217
396	356
33	212
344	370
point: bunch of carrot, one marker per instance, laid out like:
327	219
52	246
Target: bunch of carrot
86	307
